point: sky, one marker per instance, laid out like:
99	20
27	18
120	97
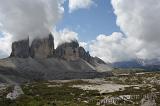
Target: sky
114	30
91	21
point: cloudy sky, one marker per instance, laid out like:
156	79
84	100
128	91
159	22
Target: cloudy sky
114	30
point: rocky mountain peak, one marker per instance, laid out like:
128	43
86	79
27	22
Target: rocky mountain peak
40	48
44	48
67	61
68	51
20	49
72	51
84	55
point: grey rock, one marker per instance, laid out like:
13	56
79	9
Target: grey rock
72	51
96	60
68	51
20	49
42	48
100	65
84	55
21	70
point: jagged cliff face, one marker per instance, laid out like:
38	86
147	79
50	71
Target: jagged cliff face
84	55
68	51
20	49
72	51
40	48
42	62
44	48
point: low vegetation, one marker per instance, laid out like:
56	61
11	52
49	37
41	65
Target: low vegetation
62	93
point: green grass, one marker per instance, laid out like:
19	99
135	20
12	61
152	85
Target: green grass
39	94
62	94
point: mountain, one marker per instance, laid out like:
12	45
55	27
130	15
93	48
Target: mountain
40	61
127	64
151	64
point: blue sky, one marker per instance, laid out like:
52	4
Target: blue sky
90	22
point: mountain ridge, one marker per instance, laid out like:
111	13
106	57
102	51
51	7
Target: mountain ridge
149	65
40	61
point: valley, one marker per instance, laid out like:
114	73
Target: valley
132	89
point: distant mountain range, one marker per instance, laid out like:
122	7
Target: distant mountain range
152	64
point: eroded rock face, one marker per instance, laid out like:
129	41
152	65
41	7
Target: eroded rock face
20	49
84	55
42	48
68	51
72	51
80	64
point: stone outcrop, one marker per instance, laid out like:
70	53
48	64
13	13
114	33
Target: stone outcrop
20	49
68	51
42	48
84	55
72	51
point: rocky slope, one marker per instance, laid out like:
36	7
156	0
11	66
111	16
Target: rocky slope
41	61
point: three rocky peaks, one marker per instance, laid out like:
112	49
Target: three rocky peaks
44	48
40	61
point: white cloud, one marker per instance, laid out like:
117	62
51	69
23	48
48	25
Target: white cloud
139	21
60	37
67	35
23	18
79	4
5	45
115	47
64	35
108	47
29	17
83	44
